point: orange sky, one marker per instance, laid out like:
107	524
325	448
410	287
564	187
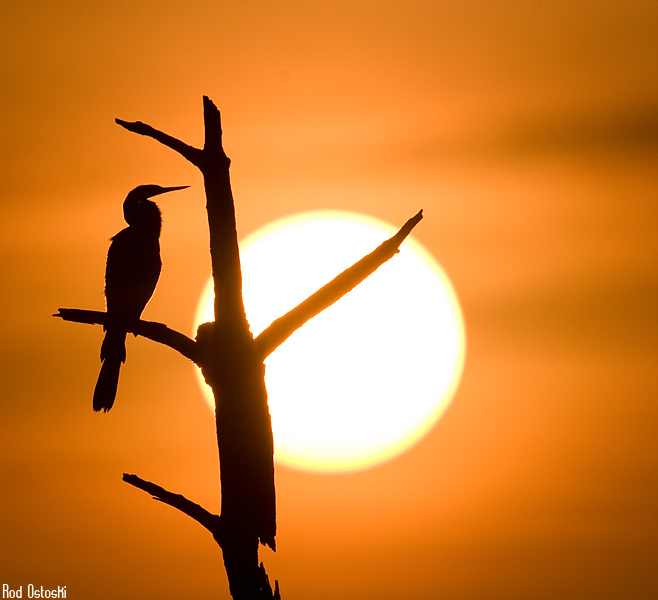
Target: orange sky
528	133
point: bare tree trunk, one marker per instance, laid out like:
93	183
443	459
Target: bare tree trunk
235	374
232	364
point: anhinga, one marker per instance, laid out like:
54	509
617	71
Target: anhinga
131	274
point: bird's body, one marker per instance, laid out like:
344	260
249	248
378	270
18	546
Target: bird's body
132	272
131	275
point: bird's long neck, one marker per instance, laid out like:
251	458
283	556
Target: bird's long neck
143	215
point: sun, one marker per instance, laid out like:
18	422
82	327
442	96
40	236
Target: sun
369	376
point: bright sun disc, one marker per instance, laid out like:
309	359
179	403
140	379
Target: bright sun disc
370	375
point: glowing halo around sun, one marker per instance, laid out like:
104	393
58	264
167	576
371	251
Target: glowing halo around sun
370	375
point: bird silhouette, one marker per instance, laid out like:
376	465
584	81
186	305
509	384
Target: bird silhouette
131	274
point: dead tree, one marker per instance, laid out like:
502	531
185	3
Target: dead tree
232	363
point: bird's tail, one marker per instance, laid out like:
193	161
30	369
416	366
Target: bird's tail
113	353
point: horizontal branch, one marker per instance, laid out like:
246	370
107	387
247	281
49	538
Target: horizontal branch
210	521
194	155
158	332
281	329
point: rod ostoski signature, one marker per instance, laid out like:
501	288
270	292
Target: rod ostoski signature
33	591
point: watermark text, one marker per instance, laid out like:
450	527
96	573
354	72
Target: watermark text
33	591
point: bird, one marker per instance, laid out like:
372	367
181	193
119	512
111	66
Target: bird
131	275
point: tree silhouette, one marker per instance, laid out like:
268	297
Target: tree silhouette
232	363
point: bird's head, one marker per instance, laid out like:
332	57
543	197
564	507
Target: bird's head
139	211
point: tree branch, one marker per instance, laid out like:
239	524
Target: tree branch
194	155
214	165
158	332
283	327
224	250
213	130
210	521
244	429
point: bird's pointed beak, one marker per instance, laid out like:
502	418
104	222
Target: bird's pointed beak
172	189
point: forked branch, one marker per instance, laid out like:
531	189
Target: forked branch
214	165
236	372
283	327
